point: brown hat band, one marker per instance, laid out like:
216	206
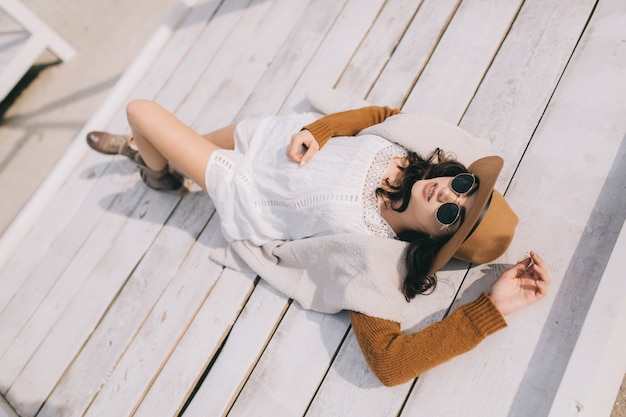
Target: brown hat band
480	219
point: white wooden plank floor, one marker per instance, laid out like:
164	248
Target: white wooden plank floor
110	305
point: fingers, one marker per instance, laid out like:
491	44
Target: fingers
310	151
542	288
540	267
293	150
536	271
524	263
521	267
302	147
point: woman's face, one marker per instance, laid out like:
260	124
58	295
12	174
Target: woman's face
427	196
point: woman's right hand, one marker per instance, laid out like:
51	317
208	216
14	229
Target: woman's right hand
302	147
521	285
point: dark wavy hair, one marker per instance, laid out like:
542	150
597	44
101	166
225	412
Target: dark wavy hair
422	248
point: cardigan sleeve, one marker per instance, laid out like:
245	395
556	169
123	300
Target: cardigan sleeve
348	123
395	357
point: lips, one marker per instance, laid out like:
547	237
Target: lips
429	190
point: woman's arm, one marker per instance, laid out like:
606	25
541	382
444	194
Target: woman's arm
395	357
348	123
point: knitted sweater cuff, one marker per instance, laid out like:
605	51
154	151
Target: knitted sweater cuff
321	131
484	316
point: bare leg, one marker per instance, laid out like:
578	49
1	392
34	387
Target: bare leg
224	138
161	137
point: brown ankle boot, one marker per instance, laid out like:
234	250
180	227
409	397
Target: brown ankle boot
110	144
163	180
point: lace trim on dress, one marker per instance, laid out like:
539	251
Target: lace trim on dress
372	218
308	201
229	165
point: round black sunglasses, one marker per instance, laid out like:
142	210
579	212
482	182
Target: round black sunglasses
461	185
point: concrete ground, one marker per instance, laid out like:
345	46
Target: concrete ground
42	116
52	103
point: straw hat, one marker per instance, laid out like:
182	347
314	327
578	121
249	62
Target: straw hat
488	227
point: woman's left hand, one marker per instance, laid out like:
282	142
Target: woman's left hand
302	147
521	285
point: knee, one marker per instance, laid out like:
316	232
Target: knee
136	108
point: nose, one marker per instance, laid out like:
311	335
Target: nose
446	195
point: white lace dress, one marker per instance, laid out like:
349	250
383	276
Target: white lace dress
260	195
